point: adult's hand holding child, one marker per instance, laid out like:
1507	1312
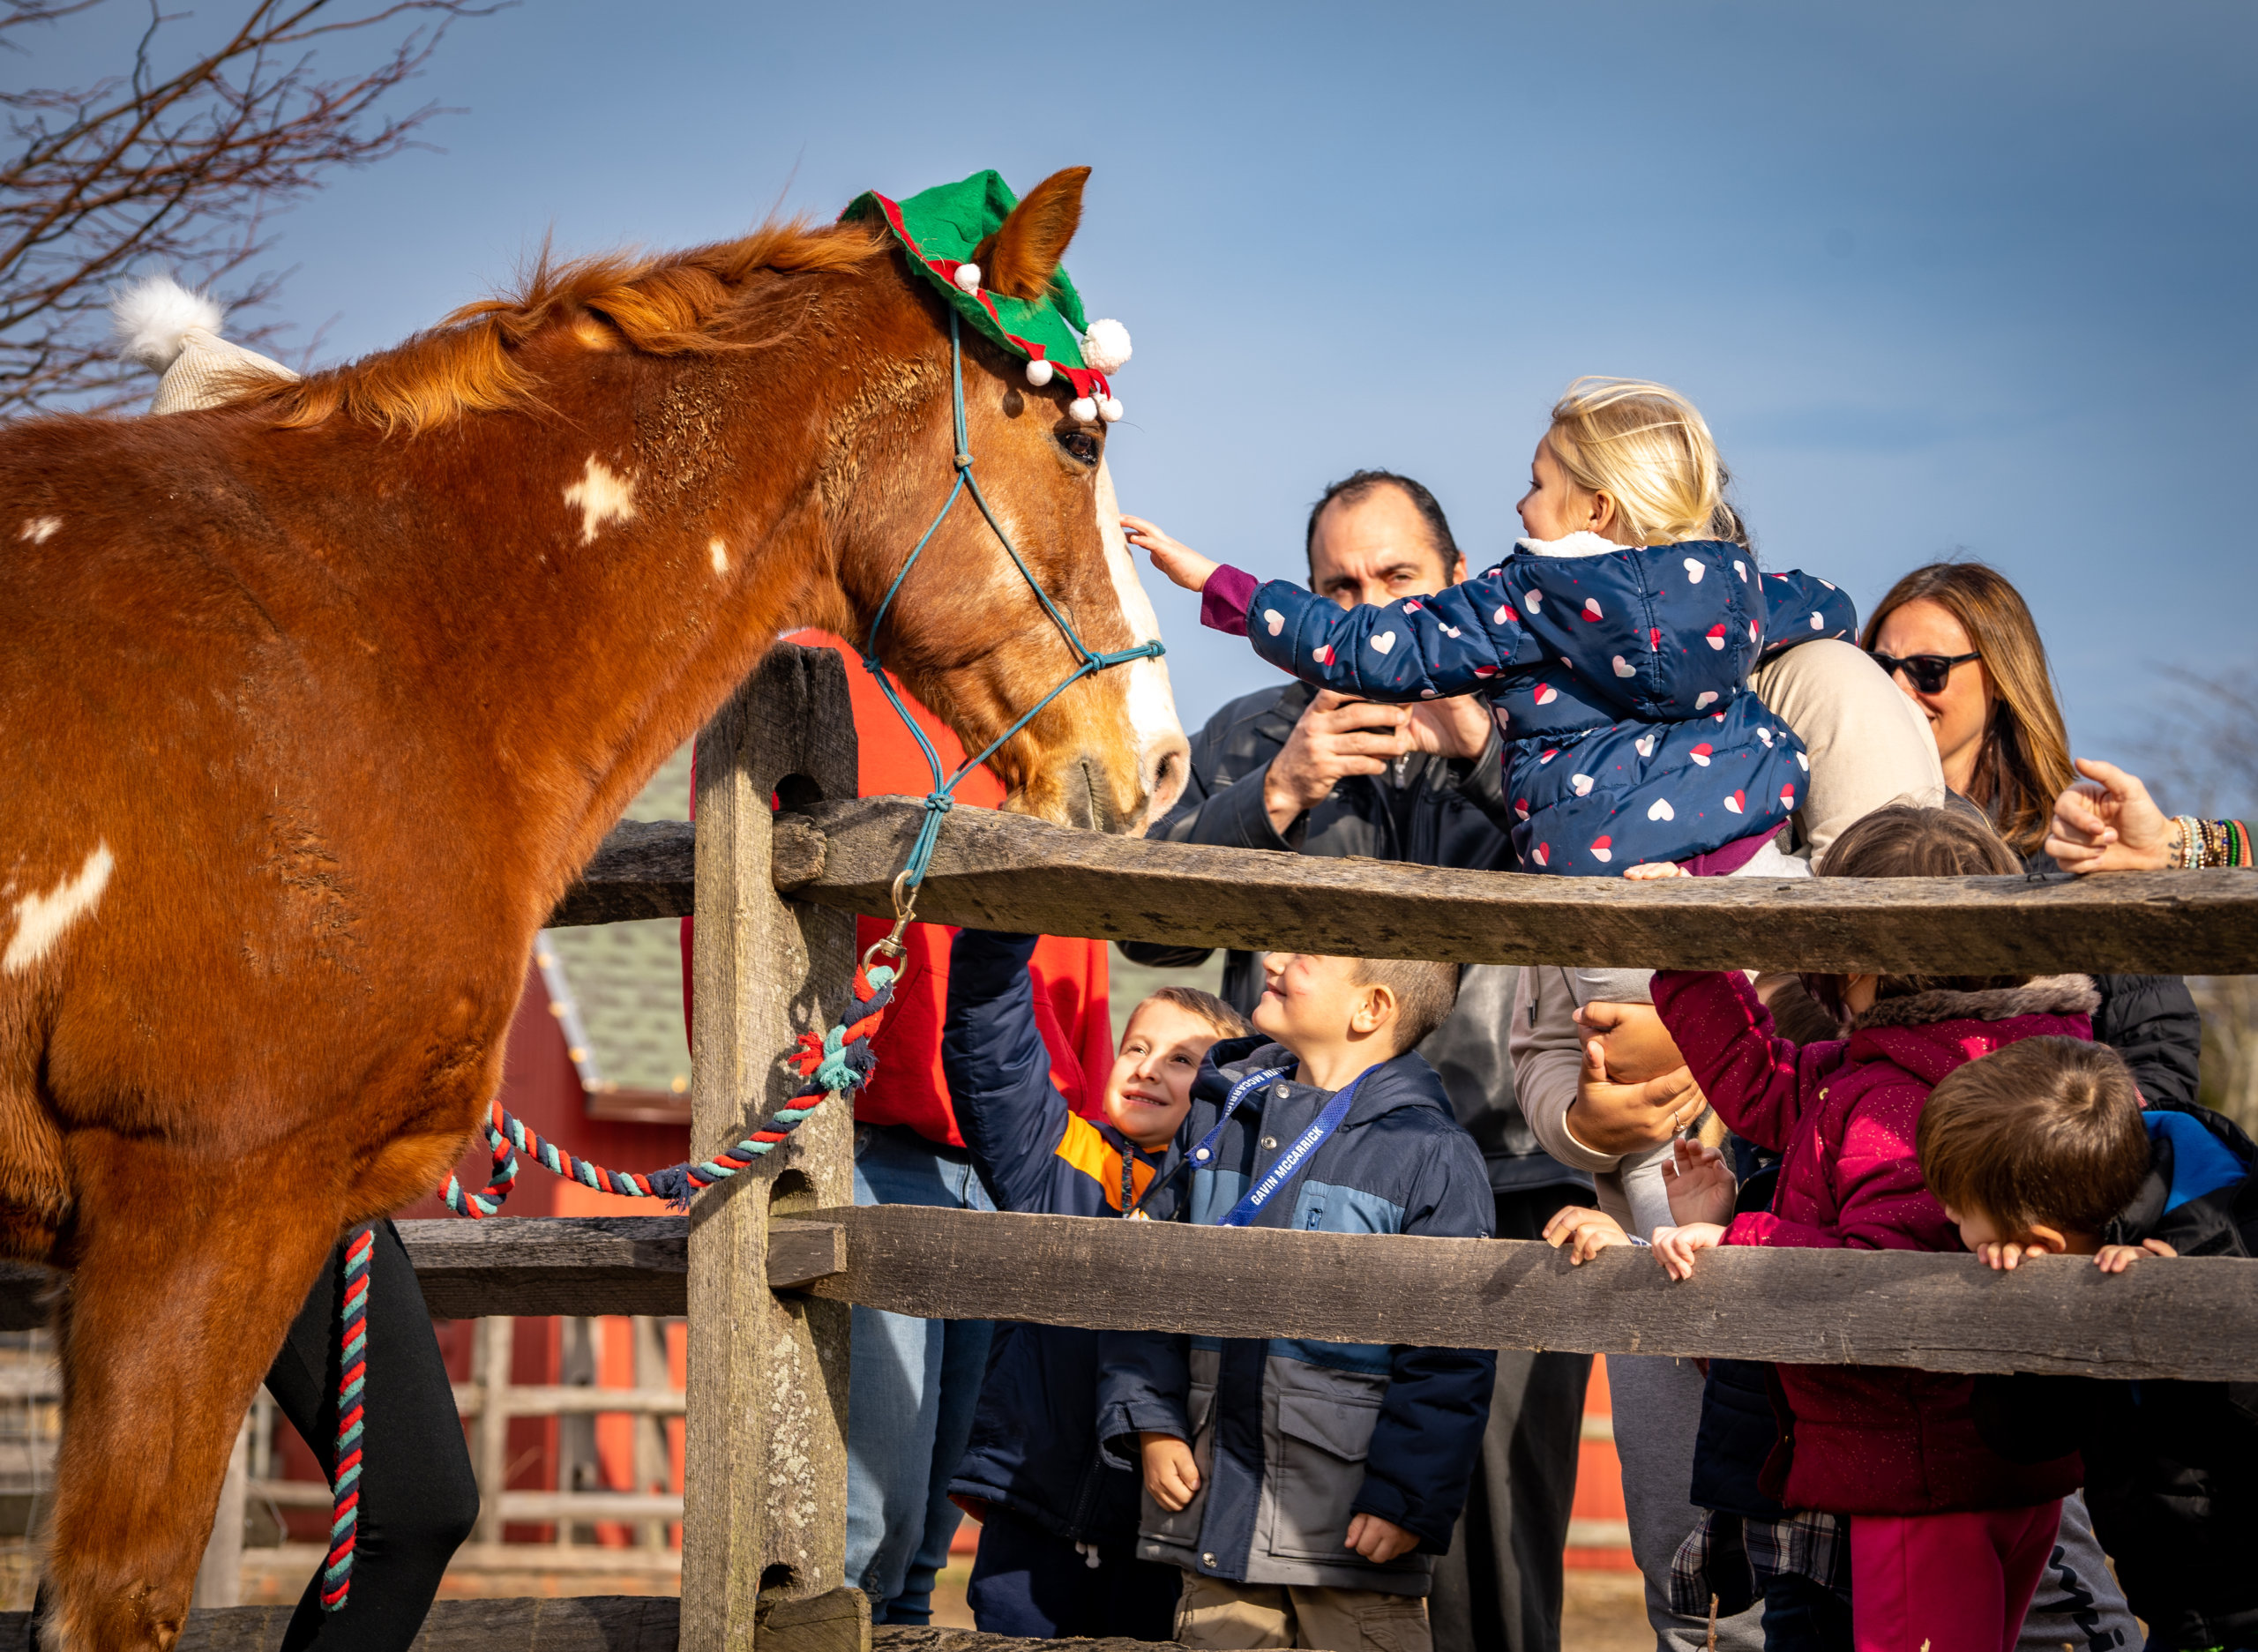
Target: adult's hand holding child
1173	558
1636	1045
1611	1116
1171	1474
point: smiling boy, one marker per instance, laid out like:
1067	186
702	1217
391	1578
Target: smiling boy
1302	1488
1058	1551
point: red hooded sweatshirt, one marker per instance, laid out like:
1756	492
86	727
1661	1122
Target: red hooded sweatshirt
1867	1439
1070	974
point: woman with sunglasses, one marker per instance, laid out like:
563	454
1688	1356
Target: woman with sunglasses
1958	639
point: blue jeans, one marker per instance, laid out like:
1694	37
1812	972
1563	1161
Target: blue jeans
912	1388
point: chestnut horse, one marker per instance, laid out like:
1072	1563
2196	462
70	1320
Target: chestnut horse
320	699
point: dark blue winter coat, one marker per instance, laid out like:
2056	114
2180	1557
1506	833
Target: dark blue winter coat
1618	675
1293	1438
1034	1446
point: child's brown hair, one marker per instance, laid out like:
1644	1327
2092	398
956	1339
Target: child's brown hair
1227	1021
1425	993
1907	840
2045	1130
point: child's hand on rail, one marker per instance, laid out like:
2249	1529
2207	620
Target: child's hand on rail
1674	1247
2115	1258
1380	1541
1586	1231
1173	558
1701	1183
1647	871
1170	1475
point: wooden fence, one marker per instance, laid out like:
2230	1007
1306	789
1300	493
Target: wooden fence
765	1268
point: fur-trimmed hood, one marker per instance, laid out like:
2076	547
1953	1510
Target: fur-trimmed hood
2047	995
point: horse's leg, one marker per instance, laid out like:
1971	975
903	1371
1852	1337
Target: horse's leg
187	1272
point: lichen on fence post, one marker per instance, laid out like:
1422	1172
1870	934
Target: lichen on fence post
765	1470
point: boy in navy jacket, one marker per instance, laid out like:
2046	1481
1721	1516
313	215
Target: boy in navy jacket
1302	1487
1058	1546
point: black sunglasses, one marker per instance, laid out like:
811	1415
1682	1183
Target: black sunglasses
1927	672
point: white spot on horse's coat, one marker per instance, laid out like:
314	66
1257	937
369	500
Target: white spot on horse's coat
721	554
1152	701
38	528
602	495
41	919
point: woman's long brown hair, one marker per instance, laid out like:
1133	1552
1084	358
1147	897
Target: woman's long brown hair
2025	761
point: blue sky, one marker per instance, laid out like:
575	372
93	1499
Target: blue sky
1940	275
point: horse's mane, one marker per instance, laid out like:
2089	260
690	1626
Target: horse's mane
674	304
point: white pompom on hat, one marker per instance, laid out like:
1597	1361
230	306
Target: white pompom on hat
1105	347
966	277
161	324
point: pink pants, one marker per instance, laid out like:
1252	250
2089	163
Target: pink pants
1947	1582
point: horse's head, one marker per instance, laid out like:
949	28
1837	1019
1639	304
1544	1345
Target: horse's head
967	632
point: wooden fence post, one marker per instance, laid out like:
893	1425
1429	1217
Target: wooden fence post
765	1462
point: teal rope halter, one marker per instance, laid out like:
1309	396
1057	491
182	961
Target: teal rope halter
940	801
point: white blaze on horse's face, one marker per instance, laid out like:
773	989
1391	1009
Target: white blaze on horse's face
1163	755
41	919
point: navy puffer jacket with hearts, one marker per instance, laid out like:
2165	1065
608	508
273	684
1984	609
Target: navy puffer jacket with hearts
1619	676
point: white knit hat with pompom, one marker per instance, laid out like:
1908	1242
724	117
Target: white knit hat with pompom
161	324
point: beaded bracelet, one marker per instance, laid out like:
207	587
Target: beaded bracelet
2212	843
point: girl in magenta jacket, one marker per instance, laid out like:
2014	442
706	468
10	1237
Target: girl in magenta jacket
1948	1538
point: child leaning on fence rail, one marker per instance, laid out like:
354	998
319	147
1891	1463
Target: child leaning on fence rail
2044	1146
1343	1466
1948	1537
1058	1546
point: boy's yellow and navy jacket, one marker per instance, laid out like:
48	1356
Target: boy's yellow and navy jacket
1034	1446
1294	1437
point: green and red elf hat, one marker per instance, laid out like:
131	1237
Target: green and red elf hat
940	228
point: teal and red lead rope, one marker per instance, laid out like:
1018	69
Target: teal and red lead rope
831	1062
353	1369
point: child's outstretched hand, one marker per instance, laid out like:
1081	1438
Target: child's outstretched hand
1379	1541
1179	561
1647	871
1674	1247
1586	1231
2115	1258
1701	1185
1171	1474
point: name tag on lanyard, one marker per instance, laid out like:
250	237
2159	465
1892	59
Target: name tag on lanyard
1290	1162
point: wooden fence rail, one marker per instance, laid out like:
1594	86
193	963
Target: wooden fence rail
1002	871
2187	1318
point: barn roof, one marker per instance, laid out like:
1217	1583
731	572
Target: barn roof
616	989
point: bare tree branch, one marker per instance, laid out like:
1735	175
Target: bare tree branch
179	169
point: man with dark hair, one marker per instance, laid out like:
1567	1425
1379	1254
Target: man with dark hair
1296	769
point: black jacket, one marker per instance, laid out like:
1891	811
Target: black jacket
2172	1468
2150	1021
1427	812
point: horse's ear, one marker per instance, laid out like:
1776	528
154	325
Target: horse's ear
1021	257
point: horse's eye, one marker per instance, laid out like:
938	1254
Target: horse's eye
1081	445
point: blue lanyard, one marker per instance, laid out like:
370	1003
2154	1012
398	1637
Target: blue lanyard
1204	1155
1291	1160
